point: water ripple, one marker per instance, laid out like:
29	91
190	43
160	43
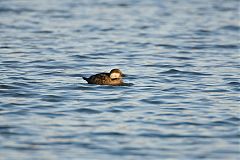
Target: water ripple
181	92
175	71
84	110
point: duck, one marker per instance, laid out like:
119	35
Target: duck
113	78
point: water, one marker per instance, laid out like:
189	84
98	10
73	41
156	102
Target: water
182	57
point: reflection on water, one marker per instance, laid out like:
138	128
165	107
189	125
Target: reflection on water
182	94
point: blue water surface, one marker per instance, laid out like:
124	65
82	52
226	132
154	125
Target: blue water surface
181	56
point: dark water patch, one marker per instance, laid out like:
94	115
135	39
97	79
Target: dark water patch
22	148
63	16
226	46
61	142
5	47
216	90
107	29
84	87
121	43
115	134
204	32
175	71
118	109
13	131
21	84
235	79
143	27
50	115
20	94
84	110
112	100
4	10
51	73
225	8
22	112
233	119
182	58
223	123
55	10
99	55
80	57
63	136
159	65
181	124
52	98
42	107
131	152
115	52
8	86
53	66
43	32
141	44
167	46
199	47
10	62
40	61
161	135
171	89
170	97
124	5
20	77
231	28
234	84
6	127
173	108
171	115
127	84
113	110
76	75
154	101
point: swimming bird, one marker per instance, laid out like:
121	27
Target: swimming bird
114	78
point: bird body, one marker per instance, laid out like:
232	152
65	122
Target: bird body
112	78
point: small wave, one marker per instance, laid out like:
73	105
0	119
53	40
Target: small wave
151	101
76	75
52	98
22	148
6	127
117	109
53	66
160	135
15	10
223	123
182	58
108	134
84	88
127	84
5	47
234	83
51	115
226	46
215	90
168	46
175	71
43	32
80	57
4	86
85	110
204	32
231	28
233	119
